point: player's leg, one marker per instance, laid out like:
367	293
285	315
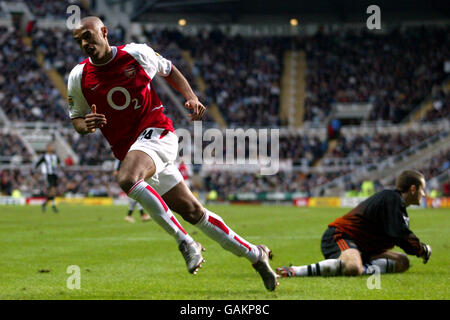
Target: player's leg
144	217
147	157
352	262
349	263
52	193
54	185
136	167
47	196
388	262
131	206
181	200
330	267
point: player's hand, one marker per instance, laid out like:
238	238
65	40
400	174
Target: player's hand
94	120
427	253
197	108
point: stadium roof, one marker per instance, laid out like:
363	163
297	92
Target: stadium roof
244	11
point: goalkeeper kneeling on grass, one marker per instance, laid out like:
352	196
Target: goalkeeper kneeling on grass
365	236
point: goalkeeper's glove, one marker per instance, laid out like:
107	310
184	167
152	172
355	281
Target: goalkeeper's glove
426	252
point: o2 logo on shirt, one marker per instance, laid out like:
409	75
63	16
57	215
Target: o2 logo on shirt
127	96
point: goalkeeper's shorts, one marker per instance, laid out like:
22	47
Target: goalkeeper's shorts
335	242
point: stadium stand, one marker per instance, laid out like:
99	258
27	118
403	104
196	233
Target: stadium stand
91	149
375	146
26	95
242	76
441	105
12	149
51	9
395	72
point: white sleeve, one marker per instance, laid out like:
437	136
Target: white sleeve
152	62
78	106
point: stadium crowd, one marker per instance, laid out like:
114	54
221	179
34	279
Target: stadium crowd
395	71
71	182
92	149
52	9
27	95
377	146
12	150
226	183
441	106
242	76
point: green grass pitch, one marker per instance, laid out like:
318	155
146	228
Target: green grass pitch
118	260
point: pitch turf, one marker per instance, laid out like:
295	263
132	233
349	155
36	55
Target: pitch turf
119	260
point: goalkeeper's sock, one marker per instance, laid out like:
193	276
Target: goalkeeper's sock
384	265
158	210
215	228
325	268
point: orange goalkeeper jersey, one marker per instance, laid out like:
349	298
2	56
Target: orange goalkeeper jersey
379	223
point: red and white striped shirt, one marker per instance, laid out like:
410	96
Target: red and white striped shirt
121	90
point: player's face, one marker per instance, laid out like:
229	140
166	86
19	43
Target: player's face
92	41
419	193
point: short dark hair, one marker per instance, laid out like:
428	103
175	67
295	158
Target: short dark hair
408	178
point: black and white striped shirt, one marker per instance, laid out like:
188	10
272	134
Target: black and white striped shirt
50	163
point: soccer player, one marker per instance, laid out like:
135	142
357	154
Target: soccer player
50	164
185	172
132	203
113	90
364	237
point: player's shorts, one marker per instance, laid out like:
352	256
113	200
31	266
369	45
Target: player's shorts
334	242
162	146
52	180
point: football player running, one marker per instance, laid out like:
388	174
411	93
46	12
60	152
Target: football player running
112	90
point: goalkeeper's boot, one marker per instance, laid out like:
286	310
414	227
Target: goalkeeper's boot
285	272
263	267
129	219
192	254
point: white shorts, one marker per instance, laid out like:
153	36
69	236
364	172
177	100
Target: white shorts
163	150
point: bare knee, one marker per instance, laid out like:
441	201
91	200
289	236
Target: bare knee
191	211
352	262
127	180
401	263
352	269
136	166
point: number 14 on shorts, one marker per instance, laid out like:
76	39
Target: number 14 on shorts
152	133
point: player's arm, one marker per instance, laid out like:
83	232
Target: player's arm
180	83
88	123
38	163
154	64
85	118
397	228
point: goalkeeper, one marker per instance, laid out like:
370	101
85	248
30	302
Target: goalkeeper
363	238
